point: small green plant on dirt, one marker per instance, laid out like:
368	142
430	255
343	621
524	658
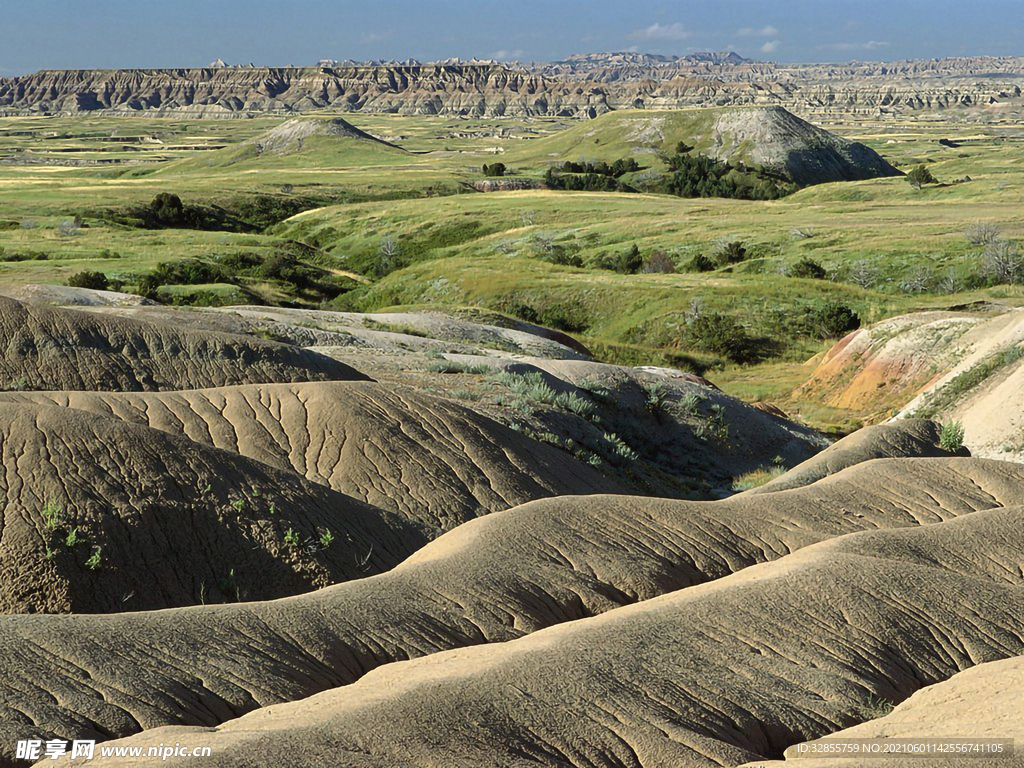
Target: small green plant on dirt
620	451
50	554
72	540
531	387
291	538
53	515
326	539
689	404
455	366
657	396
238	505
95	559
951	436
714	427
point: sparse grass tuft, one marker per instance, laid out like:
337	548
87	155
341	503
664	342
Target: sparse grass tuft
757	478
455	366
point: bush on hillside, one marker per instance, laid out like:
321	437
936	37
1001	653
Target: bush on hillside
659	262
494	169
808	268
718	334
96	281
831	321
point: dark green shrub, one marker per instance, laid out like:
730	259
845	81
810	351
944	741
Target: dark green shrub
631	261
168	210
719	334
495	169
702	263
96	281
808	268
831	321
729	252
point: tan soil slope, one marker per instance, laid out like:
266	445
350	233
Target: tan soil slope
904	439
491	580
717	674
48	348
983	389
879	368
429	459
983	702
170	522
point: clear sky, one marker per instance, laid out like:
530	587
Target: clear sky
63	34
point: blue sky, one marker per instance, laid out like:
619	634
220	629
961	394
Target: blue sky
59	34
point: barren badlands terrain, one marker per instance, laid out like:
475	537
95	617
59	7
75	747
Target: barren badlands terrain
622	411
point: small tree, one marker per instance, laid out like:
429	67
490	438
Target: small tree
920	176
495	169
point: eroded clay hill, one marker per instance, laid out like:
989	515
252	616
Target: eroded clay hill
100	516
494	579
51	349
720	674
948	366
426	458
906	438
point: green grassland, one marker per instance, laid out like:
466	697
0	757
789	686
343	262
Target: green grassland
886	247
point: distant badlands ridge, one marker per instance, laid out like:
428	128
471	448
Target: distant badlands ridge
580	86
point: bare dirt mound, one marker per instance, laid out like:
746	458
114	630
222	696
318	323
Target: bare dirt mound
429	459
51	349
912	438
983	702
104	516
714	675
494	579
292	135
66	295
777	140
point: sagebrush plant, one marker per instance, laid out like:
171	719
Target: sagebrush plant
951	436
657	396
531	387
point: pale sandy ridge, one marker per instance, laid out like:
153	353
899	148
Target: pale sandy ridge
493	579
